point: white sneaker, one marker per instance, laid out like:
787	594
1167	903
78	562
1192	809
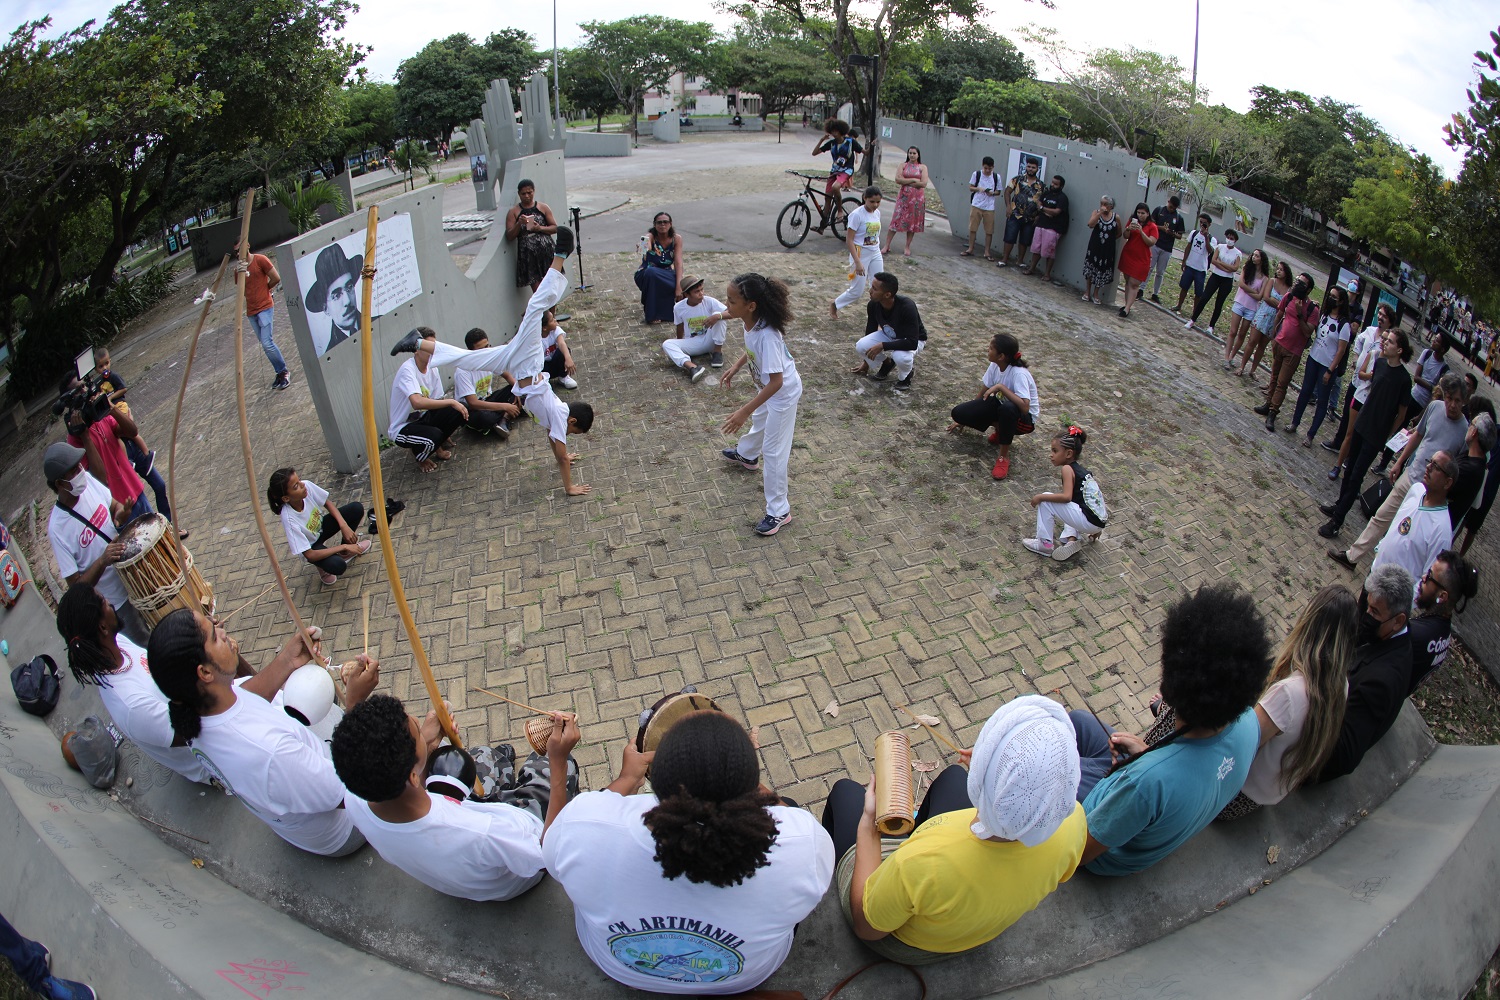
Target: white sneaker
568	382
1040	548
1188	325
1210	331
1067	550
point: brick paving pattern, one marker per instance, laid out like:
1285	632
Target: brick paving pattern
901	580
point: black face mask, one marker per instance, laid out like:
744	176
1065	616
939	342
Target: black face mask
1369	629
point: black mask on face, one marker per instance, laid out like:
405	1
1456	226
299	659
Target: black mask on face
1369	629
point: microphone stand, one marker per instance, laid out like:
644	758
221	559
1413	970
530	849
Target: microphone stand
581	286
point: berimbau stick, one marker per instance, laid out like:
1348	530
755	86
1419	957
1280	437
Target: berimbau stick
518	704
935	734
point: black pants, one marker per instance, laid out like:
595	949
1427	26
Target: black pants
1362	453
993	411
555	366
1349	413
1219	287
352	513
846	804
485	421
429	430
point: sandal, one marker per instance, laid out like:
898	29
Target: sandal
966	253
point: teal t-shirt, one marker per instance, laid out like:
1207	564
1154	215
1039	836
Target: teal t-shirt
1151	807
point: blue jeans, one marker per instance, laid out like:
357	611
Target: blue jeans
1317	392
26	956
1093	751
153	478
262	323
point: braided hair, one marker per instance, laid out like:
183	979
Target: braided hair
176	650
80	614
1072	438
711	822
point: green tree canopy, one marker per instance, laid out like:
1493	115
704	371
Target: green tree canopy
641	53
770	56
930	75
585	90
1009	107
443	85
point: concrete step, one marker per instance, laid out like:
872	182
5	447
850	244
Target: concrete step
1403	906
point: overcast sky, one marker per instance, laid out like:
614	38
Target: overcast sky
1406	63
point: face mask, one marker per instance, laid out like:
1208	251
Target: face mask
1369	630
78	482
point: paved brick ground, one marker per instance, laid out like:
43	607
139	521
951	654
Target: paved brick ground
901	580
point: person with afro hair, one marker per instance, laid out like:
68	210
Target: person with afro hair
472	850
695	889
1143	801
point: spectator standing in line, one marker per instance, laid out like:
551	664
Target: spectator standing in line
1443	591
1099	258
1264	321
910	216
261	278
530	225
1366	356
1141	236
1297	319
1223	264
1020	211
1432	363
1325	359
1170	227
984	184
1194	263
1249	293
1051	227
1383	412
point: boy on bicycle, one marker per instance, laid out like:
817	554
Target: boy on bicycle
840	145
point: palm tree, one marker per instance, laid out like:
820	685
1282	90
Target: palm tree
302	204
1197	186
411	157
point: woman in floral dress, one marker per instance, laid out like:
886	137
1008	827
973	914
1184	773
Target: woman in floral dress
911	204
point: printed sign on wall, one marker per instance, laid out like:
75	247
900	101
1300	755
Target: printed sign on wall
331	281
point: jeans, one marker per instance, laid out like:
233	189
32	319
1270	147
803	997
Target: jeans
262	323
153	478
1159	260
353	514
1317	392
993	411
846	804
26	956
1094	761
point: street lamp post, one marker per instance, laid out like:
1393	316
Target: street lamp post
869	62
556	86
1187	146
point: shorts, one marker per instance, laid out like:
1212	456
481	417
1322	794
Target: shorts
1265	315
1018	232
1191	278
1044	242
980	215
1243	312
839	181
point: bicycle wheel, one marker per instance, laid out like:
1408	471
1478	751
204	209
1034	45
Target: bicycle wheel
792	223
841	217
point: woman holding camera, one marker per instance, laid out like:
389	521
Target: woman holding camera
1296	319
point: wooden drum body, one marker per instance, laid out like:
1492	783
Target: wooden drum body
157	585
893	790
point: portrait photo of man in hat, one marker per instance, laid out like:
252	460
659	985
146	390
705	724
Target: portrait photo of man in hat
333	297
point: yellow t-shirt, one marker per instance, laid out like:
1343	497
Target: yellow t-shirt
945	890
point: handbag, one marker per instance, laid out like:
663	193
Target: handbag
1371	499
36	685
798	994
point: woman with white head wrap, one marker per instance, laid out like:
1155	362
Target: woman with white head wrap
977	862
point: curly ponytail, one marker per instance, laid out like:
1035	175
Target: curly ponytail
175	652
711	822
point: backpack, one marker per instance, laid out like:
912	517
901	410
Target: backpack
1092	496
36	685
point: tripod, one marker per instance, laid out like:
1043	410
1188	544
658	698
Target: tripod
581	286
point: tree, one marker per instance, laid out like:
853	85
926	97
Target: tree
925	86
584	87
641	53
370	118
410	157
1306	129
1406	206
1114	94
1476	196
844	28
1197	187
443	85
769	56
302	204
1226	142
1009	107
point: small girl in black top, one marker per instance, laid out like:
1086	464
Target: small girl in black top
1079	505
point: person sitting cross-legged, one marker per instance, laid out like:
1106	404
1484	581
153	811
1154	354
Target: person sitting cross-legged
472	850
990	843
1215	656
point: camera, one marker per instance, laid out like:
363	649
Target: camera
87	399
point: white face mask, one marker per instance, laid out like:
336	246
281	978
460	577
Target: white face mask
78	482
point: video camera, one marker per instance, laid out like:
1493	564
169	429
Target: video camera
87	399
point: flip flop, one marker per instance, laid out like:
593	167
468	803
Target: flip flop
966	253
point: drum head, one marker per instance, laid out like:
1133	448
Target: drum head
665	714
140	536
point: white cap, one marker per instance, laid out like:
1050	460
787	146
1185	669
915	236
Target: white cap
308	692
1023	776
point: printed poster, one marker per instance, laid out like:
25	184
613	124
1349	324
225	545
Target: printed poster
332	285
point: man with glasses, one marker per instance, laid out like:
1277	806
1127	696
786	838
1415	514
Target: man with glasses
1421	528
1380	676
1448	582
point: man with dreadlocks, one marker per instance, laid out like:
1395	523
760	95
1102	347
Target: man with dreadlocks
99	653
1215	656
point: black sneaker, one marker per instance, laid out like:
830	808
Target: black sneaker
564	242
283	379
1330	446
502	429
716	359
407	344
1263	409
731	455
1328	509
1329	530
905	383
886	367
770	525
1156	300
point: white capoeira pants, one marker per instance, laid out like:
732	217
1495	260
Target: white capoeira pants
905	360
523	355
1070	514
679	350
770	439
859	288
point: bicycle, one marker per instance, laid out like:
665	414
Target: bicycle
796	218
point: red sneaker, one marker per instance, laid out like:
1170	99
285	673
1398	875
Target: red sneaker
994	437
1001	469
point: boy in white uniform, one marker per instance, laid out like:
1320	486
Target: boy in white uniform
699	319
863	239
421	419
491	406
524	356
472	850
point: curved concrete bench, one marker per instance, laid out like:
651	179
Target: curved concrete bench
528	947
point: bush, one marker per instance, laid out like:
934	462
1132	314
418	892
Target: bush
53	337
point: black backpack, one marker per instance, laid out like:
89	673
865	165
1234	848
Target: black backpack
36	685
